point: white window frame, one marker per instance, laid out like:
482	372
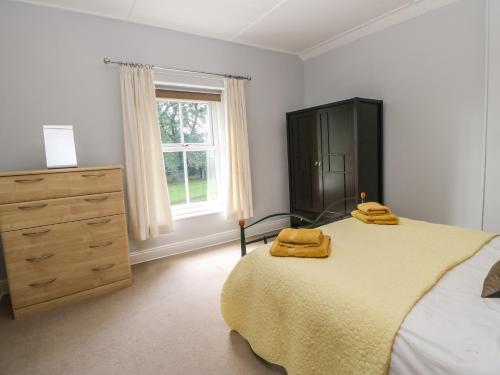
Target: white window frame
188	209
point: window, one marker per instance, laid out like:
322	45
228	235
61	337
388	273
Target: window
187	133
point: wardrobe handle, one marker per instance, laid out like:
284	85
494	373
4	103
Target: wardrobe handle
38	233
33	206
43	283
29	180
104	267
40	258
102	244
100	199
87	175
99	222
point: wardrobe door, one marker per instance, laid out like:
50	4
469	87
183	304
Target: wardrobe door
304	159
369	150
337	134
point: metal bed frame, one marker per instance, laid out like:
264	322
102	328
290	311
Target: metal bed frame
318	221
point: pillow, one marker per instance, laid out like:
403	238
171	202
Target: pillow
491	286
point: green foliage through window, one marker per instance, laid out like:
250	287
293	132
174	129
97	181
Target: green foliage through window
189	153
170	127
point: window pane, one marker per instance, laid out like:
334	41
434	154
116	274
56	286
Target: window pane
174	168
170	127
196	122
201	176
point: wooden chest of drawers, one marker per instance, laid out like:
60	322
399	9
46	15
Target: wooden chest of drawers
64	235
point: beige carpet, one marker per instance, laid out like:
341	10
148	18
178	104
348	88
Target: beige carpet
167	322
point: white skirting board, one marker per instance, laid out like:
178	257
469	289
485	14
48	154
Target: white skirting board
192	244
205	241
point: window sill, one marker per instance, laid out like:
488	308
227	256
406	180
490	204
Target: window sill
189	212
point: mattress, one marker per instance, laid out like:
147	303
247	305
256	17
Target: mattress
452	330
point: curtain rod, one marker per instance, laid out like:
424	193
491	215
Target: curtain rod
109	61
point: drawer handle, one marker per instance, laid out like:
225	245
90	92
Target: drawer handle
29	180
102	244
35	234
100	199
33	206
99	222
95	175
40	258
103	268
43	283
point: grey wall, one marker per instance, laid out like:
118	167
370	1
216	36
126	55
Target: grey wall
430	73
51	72
492	198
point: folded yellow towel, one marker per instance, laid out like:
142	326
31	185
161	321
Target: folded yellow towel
364	218
389	219
387	222
373	208
300	237
321	251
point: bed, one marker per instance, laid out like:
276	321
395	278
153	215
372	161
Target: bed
400	300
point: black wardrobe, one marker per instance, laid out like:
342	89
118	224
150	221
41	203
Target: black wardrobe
334	152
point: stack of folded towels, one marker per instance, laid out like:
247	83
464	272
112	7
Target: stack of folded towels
304	243
375	213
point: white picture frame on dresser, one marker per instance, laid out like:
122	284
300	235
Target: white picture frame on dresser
59	143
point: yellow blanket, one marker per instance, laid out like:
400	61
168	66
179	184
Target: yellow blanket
340	315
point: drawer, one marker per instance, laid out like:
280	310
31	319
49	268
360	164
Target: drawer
80	268
54	211
50	262
33	187
55	239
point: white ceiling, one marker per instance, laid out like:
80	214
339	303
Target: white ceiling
293	26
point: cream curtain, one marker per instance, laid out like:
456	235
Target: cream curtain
216	161
149	211
239	202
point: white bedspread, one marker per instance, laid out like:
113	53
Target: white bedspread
452	330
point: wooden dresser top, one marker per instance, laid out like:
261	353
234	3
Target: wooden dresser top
60	170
